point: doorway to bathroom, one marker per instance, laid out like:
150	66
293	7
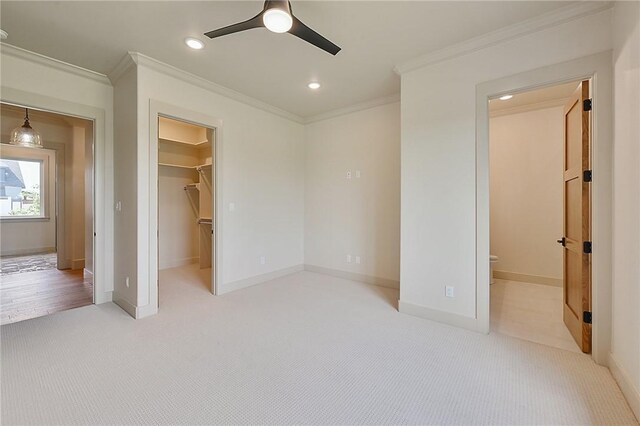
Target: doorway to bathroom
540	211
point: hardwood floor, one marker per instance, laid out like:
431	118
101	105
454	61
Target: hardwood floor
34	294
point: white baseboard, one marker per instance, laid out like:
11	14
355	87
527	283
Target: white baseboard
103	297
258	279
126	306
28	251
629	391
174	263
535	279
440	316
77	264
368	279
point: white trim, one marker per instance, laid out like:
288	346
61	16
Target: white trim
170	70
29	251
121	69
175	263
156	109
526	278
353	108
353	276
127	307
258	279
550	19
447	318
528	107
598	68
77	264
631	394
103	217
11	50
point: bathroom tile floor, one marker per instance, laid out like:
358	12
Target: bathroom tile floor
530	312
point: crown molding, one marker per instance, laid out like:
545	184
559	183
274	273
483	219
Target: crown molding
559	16
170	70
353	108
121	69
528	107
18	52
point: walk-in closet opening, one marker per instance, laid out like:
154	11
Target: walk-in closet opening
186	197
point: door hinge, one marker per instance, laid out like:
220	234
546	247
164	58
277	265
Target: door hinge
586	317
586	247
587	175
587	105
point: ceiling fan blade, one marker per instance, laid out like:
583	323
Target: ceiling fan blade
254	22
300	30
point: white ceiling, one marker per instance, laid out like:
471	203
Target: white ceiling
556	94
275	68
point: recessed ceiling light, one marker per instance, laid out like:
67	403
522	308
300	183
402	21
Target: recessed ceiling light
194	43
3	35
314	85
506	97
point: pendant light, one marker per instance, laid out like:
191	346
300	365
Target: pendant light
25	135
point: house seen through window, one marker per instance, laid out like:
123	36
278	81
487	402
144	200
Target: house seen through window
20	188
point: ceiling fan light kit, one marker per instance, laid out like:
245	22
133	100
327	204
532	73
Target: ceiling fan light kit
276	16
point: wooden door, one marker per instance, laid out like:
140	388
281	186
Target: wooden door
577	216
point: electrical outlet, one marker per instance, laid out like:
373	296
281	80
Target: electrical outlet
126	282
358	259
449	291
348	174
119	206
263	260
348	258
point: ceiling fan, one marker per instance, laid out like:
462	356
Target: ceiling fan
276	16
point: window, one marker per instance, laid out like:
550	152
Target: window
21	183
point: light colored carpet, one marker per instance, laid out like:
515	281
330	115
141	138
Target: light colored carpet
532	312
302	349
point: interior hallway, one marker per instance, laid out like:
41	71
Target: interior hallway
305	348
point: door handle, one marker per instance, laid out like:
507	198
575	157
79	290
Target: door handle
562	241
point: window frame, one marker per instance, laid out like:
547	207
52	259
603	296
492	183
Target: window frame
43	156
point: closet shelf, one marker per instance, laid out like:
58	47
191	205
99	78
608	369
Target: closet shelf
179	166
187	143
182	166
195	186
205	221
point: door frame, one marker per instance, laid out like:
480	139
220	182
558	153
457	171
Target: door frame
162	109
598	69
61	244
102	219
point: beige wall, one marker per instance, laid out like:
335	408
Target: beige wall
625	350
262	174
526	191
438	238
358	216
33	79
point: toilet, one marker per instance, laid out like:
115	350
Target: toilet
492	262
